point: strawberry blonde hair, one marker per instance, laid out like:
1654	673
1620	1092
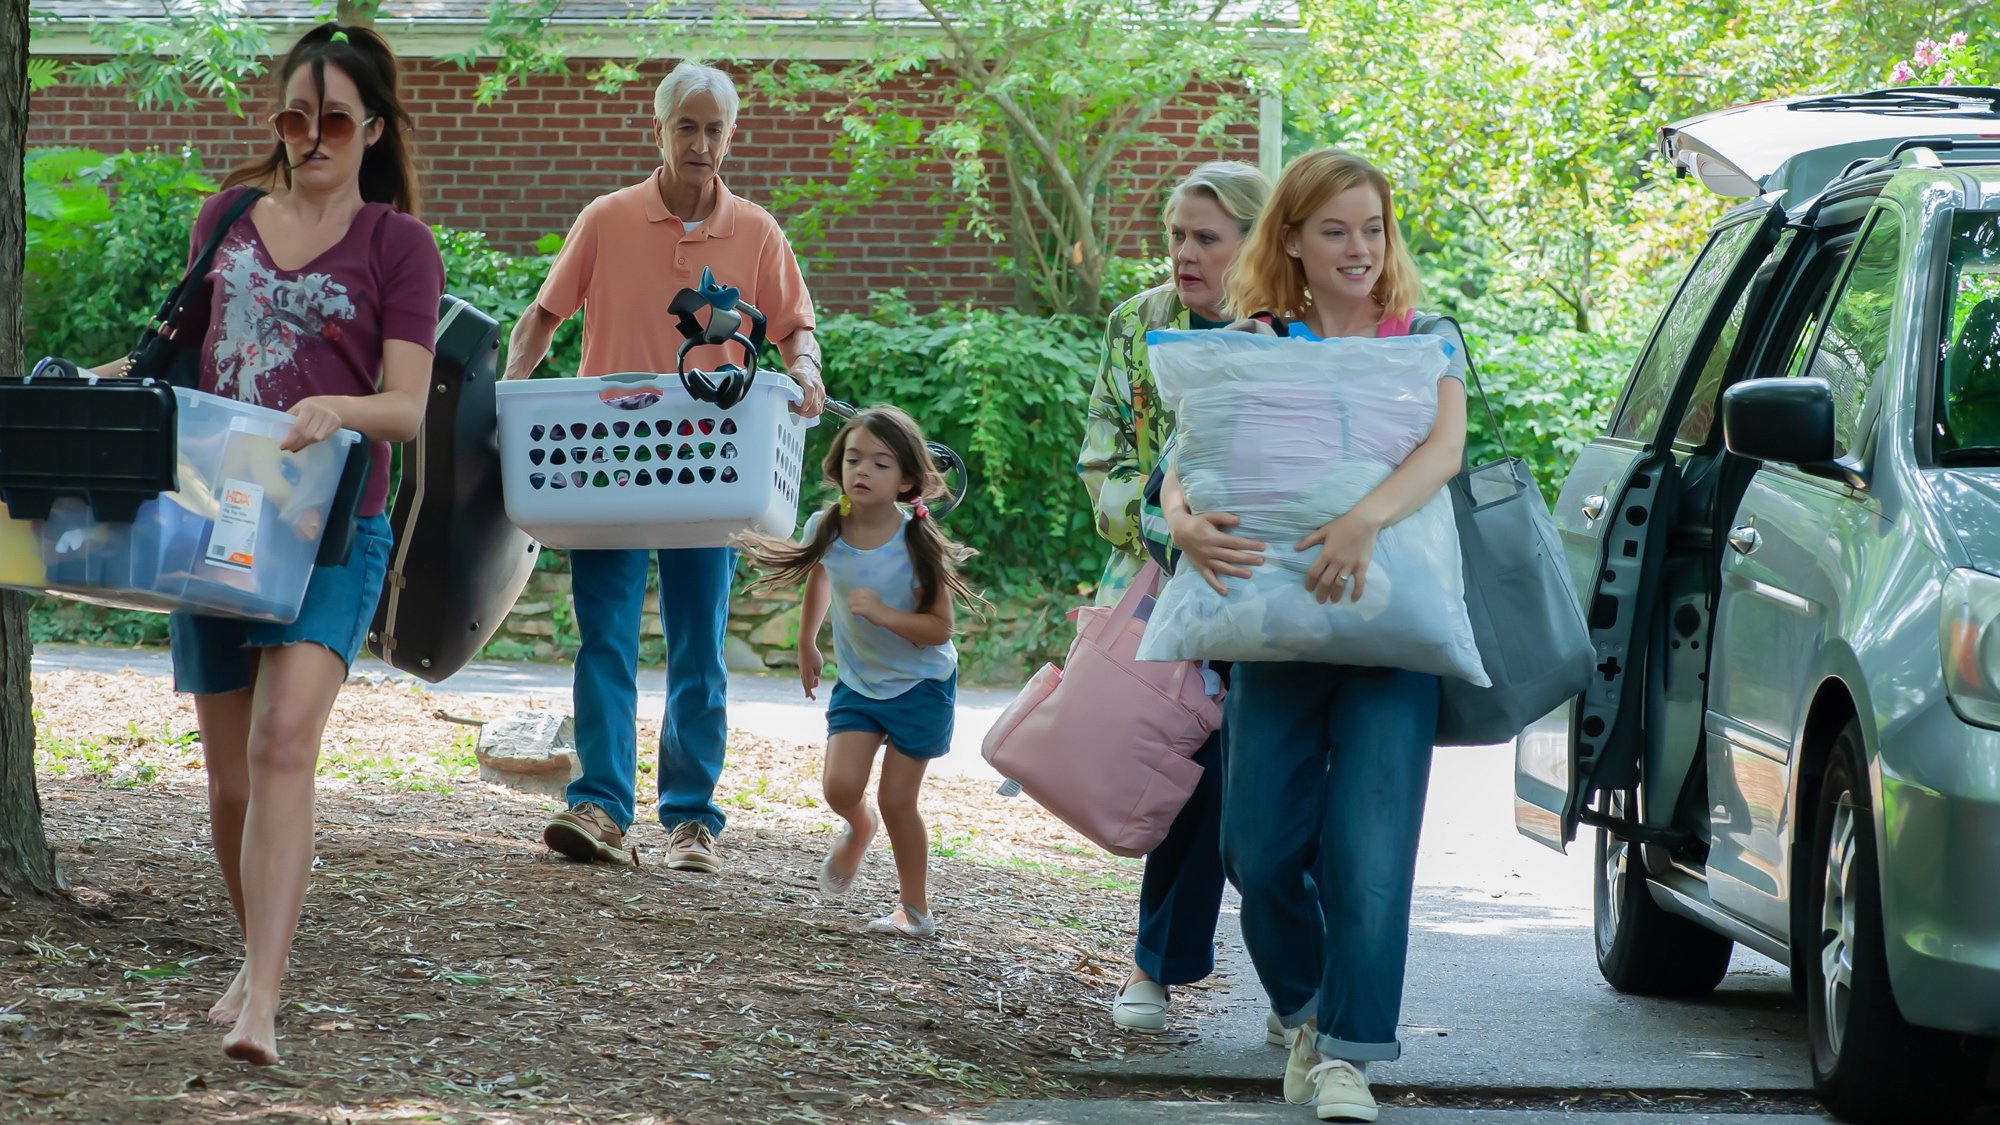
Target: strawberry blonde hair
1267	279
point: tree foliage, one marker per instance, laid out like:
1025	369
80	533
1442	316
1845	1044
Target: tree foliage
1523	133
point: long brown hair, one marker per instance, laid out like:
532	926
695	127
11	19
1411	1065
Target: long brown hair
1267	279
387	173
933	557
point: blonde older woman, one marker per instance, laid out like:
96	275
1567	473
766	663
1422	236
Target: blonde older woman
1207	217
624	260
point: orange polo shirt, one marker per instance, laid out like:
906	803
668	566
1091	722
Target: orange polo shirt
628	255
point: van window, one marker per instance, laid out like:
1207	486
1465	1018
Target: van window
1854	346
1653	380
1968	387
1699	420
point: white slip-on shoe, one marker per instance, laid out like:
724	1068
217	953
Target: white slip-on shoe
914	923
1141	1006
1274	1032
1342	1092
1299	1063
835	882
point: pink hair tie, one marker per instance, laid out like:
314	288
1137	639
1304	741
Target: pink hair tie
920	509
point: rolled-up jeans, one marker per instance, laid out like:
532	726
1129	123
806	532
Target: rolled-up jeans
1326	771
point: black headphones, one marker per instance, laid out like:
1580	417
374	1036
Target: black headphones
728	385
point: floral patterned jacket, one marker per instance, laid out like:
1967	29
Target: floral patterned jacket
1122	439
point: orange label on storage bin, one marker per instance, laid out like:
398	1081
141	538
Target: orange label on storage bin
234	541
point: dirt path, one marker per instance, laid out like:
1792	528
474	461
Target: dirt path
450	968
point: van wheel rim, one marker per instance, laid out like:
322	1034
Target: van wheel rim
1615	851
1837	925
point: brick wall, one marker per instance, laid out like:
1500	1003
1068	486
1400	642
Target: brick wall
522	168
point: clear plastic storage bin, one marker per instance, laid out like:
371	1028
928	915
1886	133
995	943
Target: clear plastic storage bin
633	460
236	538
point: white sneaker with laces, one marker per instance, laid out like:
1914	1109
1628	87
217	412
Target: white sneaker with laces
1342	1092
1300	1085
1274	1032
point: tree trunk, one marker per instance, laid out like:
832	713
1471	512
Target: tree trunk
27	865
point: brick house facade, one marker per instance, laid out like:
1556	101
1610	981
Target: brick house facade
522	167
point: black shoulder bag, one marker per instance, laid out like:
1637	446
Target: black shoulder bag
157	355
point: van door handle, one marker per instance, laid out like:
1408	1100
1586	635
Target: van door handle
1593	508
1745	540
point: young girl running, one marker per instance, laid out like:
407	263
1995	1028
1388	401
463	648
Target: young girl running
889	578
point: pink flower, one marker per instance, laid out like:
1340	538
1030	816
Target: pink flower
1928	51
1957	39
1948	80
1902	73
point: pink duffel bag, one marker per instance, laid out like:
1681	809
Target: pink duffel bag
1107	742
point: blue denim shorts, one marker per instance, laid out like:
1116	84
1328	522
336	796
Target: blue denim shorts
211	654
918	722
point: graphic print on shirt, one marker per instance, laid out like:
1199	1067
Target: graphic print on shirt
264	318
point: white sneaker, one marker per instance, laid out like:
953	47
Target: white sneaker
1300	1083
1141	1006
1274	1032
1343	1093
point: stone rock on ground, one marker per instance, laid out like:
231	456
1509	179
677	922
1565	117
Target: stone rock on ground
532	751
740	656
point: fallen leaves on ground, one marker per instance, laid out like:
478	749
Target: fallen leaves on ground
449	967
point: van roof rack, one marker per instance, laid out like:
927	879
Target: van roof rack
1915	101
1915	149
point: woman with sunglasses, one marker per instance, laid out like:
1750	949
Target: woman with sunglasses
323	302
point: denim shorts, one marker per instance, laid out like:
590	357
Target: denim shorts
211	654
918	722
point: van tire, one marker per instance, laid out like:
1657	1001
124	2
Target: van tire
1642	949
1869	1064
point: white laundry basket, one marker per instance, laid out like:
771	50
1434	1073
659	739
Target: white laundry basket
633	460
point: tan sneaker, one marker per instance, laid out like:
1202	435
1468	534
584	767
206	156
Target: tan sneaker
691	848
584	833
1301	1085
1343	1093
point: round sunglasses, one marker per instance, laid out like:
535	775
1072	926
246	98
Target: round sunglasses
336	126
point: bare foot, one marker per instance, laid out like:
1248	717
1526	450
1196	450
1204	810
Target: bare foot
230	1007
255	1038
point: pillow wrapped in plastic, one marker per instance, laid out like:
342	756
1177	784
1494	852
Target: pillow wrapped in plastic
1287	435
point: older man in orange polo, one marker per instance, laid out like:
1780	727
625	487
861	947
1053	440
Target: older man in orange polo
625	258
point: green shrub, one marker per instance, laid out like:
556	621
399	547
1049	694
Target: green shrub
1551	392
107	237
1006	390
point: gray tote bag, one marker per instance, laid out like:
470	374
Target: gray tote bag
1525	616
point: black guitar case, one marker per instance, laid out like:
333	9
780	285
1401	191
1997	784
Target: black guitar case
458	565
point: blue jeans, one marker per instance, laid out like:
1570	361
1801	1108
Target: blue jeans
1326	774
608	589
1180	895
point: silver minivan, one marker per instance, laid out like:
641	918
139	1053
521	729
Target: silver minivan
1787	545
